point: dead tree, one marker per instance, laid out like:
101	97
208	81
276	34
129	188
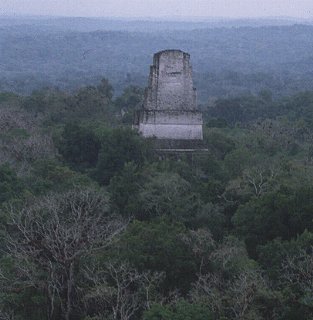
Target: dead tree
120	291
297	270
232	298
243	291
21	140
225	286
52	235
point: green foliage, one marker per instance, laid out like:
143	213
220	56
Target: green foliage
236	161
228	231
124	188
158	246
92	102
299	107
216	123
119	146
219	144
273	253
74	53
167	194
50	175
11	186
284	214
128	102
159	312
36	102
47	241
242	109
106	89
8	97
79	146
182	310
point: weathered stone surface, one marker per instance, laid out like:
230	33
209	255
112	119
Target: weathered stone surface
170	106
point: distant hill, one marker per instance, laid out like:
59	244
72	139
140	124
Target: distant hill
229	57
144	24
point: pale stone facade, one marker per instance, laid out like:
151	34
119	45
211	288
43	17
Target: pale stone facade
170	106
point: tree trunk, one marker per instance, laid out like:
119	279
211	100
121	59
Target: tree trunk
70	283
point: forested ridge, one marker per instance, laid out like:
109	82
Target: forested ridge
96	225
228	59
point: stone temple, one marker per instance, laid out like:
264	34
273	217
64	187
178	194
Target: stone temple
169	111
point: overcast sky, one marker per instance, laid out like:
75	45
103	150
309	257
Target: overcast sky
160	8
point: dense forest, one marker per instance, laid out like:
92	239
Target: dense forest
229	58
97	225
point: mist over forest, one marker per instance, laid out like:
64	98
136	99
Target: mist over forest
98	223
229	57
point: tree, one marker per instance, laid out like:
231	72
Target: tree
182	310
158	246
254	181
128	102
51	175
218	143
10	185
119	291
124	189
228	282
284	213
118	147
93	102
106	89
48	239
79	146
232	299
274	254
50	104
297	273
166	193
22	141
236	161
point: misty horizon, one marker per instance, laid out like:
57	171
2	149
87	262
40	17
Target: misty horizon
161	9
158	18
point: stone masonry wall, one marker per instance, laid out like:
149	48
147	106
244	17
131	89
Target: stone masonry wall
170	82
170	108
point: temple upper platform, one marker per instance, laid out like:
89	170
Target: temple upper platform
170	105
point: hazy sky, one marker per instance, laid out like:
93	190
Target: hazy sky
160	8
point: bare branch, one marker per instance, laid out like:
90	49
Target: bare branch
53	234
120	289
